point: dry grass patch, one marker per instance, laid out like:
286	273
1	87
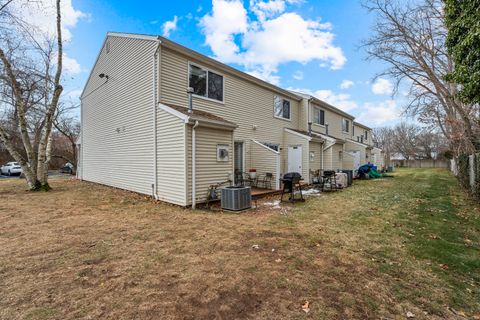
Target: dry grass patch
85	251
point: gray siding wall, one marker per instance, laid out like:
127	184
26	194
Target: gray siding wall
117	138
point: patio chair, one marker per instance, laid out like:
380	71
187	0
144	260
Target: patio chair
265	180
247	180
239	181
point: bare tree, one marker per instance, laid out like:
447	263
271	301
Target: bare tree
383	139
405	140
68	127
31	69
409	36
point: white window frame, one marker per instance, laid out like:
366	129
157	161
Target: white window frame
289	110
345	119
207	70
324	117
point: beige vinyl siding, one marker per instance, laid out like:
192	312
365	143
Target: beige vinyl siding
327	159
117	133
337	158
171	158
248	105
209	171
360	130
334	121
316	163
265	160
292	139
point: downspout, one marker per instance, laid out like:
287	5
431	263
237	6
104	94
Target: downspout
323	150
154	110
194	200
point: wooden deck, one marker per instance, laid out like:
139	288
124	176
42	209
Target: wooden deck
259	192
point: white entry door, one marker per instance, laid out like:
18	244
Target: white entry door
295	159
356	160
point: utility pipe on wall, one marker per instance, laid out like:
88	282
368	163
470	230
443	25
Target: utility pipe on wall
194	200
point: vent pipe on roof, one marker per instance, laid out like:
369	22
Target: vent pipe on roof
190	102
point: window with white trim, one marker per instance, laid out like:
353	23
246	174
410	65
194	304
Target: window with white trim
318	116
273	146
205	83
345	125
281	108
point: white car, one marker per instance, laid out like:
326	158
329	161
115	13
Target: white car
11	168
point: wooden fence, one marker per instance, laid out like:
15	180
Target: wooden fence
426	163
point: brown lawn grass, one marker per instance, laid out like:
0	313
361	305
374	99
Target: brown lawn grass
85	251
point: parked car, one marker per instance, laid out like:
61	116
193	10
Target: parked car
11	168
67	168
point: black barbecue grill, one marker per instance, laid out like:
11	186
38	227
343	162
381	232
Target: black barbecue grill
291	183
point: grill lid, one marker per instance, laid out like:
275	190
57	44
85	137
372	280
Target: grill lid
292	176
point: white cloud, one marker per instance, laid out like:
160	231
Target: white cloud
70	65
154	22
267	37
382	87
342	101
376	114
169	26
298	75
346	84
41	15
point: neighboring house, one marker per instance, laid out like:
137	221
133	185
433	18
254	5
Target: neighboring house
138	134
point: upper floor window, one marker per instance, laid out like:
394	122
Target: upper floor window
345	125
205	83
319	116
281	108
366	135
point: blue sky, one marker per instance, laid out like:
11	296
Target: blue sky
259	37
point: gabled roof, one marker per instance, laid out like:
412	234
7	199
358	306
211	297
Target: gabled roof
359	143
324	104
196	115
207	60
361	125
